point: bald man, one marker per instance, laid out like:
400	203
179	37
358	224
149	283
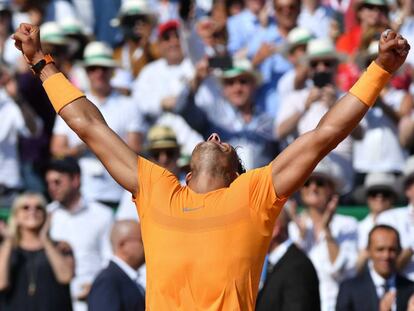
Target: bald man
116	287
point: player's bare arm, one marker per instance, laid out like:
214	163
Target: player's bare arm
293	166
84	118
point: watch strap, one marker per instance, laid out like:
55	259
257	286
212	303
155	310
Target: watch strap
37	68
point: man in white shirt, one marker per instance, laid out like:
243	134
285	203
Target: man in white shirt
160	82
378	287
84	225
116	287
329	239
121	114
402	219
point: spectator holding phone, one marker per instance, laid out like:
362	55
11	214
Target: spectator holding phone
302	110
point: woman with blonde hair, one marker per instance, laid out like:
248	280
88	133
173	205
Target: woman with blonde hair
35	272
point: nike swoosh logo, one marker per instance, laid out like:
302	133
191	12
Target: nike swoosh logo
192	209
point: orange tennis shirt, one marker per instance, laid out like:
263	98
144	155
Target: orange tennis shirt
204	251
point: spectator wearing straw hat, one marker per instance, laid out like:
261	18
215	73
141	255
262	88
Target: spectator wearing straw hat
381	192
402	219
236	114
119	111
161	148
329	239
136	20
302	110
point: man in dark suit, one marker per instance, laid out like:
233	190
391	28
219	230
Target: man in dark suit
116	287
291	280
378	287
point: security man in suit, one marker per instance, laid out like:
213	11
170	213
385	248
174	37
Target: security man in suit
379	286
116	287
291	280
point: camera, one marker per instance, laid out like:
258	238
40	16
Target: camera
321	79
221	62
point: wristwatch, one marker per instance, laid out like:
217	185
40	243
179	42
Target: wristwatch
37	68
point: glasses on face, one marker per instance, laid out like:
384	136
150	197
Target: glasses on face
35	207
169	152
95	68
380	193
241	81
325	63
131	21
168	35
318	181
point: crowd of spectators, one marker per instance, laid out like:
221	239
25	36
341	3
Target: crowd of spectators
165	74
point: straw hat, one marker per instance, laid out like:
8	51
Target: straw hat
99	54
131	8
161	137
71	26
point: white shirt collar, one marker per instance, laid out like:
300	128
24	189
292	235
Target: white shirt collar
279	251
133	274
378	280
77	209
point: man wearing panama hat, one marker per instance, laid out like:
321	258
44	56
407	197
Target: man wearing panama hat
235	114
119	111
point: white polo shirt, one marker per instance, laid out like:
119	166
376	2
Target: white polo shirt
87	230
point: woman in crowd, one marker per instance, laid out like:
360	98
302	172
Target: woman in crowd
35	272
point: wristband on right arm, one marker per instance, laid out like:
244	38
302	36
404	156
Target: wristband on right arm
60	91
369	85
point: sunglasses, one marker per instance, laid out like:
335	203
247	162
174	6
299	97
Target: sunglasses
318	181
95	68
36	207
242	81
326	63
382	193
169	152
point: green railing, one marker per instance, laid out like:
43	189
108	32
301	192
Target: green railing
359	212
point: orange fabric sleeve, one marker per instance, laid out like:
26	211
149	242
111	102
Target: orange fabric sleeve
60	91
370	84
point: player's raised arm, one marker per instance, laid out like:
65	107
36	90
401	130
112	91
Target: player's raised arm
78	112
293	166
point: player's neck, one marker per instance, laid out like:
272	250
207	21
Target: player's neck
204	183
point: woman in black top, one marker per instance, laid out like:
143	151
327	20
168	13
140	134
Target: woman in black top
34	271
